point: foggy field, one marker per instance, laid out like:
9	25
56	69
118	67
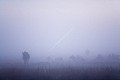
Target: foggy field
81	72
59	39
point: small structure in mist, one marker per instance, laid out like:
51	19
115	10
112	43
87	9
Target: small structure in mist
26	57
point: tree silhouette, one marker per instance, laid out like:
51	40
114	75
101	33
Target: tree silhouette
87	52
26	57
72	57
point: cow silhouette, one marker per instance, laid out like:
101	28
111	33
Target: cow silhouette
26	57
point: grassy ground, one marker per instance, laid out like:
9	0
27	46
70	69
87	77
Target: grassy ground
63	73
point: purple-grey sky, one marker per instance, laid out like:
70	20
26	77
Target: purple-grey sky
58	28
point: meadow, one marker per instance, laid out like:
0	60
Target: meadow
89	71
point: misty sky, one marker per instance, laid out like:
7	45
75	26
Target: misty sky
58	28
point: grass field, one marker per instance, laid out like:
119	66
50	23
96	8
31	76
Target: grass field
82	72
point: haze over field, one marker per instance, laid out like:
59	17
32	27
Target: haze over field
58	28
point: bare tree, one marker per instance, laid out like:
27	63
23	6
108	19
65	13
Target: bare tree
26	57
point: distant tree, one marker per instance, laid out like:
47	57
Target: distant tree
49	58
59	59
87	52
26	57
114	57
79	58
76	58
99	57
72	57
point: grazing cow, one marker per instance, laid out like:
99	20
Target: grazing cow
26	57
